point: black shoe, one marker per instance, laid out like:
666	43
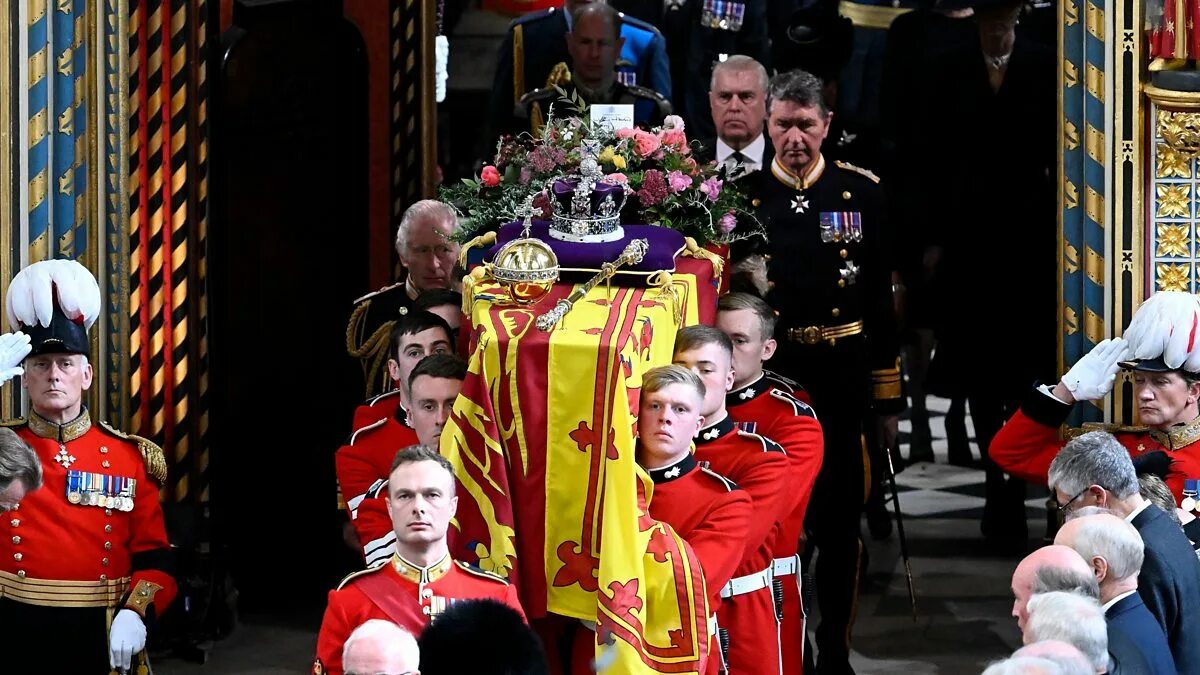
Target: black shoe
879	521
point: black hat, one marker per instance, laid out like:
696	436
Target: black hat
1155	365
62	336
819	41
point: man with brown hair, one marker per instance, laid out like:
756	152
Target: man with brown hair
421	579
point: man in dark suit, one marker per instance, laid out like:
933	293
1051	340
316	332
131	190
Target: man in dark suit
1095	470
1115	551
739	110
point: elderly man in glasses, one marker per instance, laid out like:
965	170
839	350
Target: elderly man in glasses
1095	470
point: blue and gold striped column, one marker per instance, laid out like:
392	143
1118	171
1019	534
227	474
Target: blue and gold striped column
1085	153
39	89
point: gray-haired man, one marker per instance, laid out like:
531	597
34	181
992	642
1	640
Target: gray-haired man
1114	549
1095	470
836	329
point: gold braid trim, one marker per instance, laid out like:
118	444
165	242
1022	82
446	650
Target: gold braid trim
485	239
152	454
665	283
372	352
142	596
694	250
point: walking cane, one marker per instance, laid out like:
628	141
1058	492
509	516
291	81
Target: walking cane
912	590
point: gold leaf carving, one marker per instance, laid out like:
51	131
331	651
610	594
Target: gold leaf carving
1181	131
1172	201
1171	277
1172	240
1071	259
1170	164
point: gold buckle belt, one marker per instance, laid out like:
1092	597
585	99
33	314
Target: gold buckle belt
56	593
811	335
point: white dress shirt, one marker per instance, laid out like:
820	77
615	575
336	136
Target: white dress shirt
753	153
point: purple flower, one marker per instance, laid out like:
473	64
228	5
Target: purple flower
541	161
679	181
526	175
712	188
654	188
727	223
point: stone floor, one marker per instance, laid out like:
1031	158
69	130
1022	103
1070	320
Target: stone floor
962	585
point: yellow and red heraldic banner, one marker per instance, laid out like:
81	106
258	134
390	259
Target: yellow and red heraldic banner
550	494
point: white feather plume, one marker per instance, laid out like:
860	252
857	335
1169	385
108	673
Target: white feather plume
35	290
1167	324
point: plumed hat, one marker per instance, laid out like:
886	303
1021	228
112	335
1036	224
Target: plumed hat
55	302
1164	334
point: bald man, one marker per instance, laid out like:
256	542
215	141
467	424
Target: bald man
379	646
1114	550
1024	576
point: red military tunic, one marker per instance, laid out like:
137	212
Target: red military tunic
93	534
768	406
1028	442
709	511
363	467
747	616
406	594
379	407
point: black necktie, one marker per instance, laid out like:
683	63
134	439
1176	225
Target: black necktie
738	157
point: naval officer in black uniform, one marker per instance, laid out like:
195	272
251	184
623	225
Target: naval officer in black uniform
825	271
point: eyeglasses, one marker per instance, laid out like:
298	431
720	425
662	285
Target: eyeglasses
1064	509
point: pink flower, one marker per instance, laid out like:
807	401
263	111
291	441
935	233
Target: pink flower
728	223
490	176
654	188
679	181
526	175
711	188
692	167
618	178
645	143
626	132
674	138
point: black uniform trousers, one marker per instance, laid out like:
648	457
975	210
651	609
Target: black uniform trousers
837	378
63	640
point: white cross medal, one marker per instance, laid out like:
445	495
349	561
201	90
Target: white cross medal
799	203
64	458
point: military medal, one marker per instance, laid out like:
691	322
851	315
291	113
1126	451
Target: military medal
1189	495
63	457
73	495
800	205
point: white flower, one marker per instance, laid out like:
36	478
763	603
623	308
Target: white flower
568	135
673	122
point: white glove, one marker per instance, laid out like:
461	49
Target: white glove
14	347
127	637
441	51
1167	324
1092	376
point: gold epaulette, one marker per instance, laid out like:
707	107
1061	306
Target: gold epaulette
354	575
14	422
480	573
1111	428
376	292
858	170
152	454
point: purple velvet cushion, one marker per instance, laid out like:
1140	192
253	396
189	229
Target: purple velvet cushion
575	258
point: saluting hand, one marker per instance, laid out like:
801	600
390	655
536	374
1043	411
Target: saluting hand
126	638
1092	377
14	347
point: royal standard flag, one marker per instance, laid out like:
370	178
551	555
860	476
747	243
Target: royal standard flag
542	441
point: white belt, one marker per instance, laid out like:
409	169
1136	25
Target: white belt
747	584
784	567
